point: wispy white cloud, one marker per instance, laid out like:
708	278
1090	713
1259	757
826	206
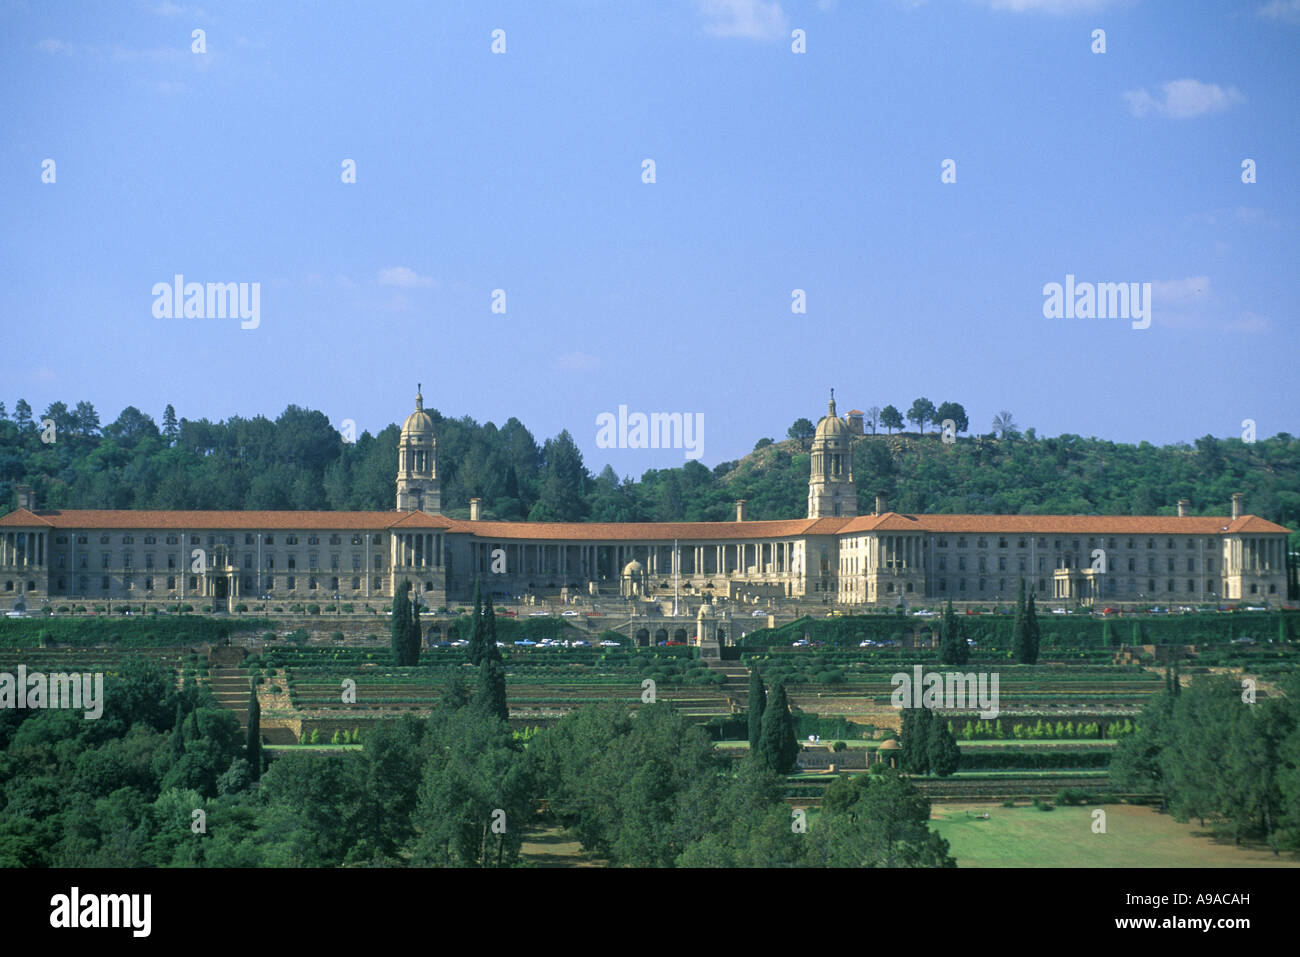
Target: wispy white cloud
1191	289
404	277
51	45
1182	99
749	19
1048	6
1250	322
577	362
1285	10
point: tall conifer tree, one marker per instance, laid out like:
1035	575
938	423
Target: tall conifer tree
777	743
757	704
254	745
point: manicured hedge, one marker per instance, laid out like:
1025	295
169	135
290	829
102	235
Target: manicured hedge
145	631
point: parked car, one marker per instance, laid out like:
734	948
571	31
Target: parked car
801	643
579	643
607	643
570	614
525	643
675	644
867	643
758	614
539	614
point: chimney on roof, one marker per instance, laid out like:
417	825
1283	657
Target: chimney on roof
740	509
475	505
25	497
880	505
1237	509
1182	507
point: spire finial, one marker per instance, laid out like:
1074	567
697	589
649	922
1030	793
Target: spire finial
830	407
419	396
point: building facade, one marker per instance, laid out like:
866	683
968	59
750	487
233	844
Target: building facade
833	555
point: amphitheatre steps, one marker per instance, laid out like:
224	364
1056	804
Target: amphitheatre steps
229	685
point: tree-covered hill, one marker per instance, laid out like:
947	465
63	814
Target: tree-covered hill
299	461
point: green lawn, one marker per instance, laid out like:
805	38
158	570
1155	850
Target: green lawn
1135	837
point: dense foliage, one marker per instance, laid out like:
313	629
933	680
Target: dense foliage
299	461
1218	753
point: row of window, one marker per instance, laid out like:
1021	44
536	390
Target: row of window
249	539
128	561
268	583
1094	542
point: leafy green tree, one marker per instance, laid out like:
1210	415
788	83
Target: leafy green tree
891	418
757	701
476	794
564	479
876	820
954	411
170	428
777	744
802	430
921	412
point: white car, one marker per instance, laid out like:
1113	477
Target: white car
866	643
801	643
460	643
610	644
925	613
539	614
759	614
570	614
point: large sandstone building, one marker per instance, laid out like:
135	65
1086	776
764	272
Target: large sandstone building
833	555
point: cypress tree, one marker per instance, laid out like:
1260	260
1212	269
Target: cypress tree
757	703
476	626
941	749
1031	630
401	625
490	626
492	686
1137	633
1020	628
178	735
916	743
777	743
254	746
1107	635
411	646
953	649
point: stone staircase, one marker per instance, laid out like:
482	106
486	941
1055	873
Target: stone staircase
736	685
229	685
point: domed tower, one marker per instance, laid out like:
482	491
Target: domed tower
417	463
831	492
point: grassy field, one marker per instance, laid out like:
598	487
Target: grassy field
1135	837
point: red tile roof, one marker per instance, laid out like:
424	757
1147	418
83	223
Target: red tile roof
643	531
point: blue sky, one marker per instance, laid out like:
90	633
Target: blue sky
775	171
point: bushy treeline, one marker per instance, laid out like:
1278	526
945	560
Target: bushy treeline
300	461
166	779
1219	751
